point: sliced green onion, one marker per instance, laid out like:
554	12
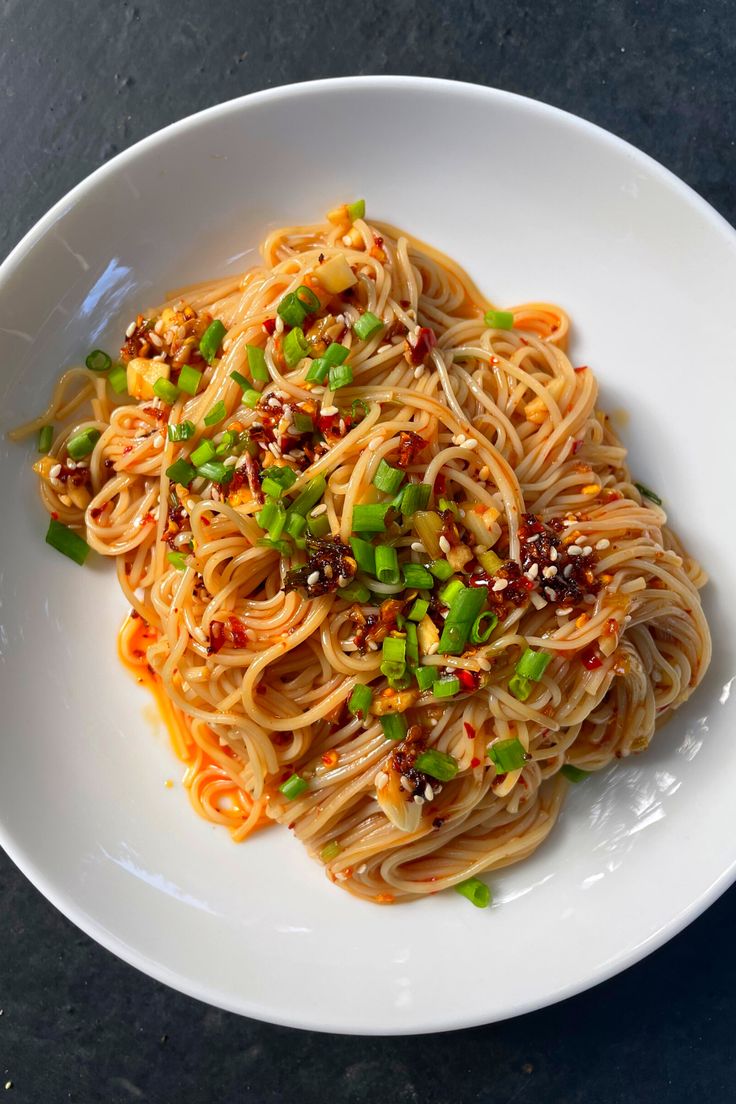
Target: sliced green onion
216	414
412	645
181	432
82	444
317	372
476	891
415	497
118	379
98	361
520	687
177	560
532	665
335	354
359	409
268	514
426	677
360	700
67	541
441	569
646	493
448	504
227	444
365	555
354	592
251	398
499	320
401	682
240	379
508	755
330	851
394	726
387	564
490	562
367	325
307	298
45	438
572	773
295	347
257	363
418	610
340	375
215	471
388	479
450	591
318	526
303	422
295	524
310	496
464	608
417	576
293	787
356	210
211	340
166	390
281	546
204	452
479	634
189	380
446	687
437	764
394	649
277	480
181	471
369	518
292	310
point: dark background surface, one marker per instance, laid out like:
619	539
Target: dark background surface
77	85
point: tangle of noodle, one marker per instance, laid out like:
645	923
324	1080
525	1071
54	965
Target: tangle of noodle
510	429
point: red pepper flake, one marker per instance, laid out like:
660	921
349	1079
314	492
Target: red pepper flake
469	731
440	484
582	368
590	659
469	680
493	361
576	445
410	445
475	761
420	346
54	515
230	632
269	326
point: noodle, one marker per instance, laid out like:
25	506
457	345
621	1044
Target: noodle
244	628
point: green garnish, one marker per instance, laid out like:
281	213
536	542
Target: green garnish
367	325
83	443
211	340
508	755
45	438
476	891
97	361
189	380
499	320
293	787
360	700
67	541
437	764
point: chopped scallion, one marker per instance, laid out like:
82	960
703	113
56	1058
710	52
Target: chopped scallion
189	380
415	497
302	422
292	310
181	432
508	755
437	764
499	320
293	787
367	325
360	700
181	471
67	541
310	496
215	471
216	414
335	354
369	518
441	569
330	851
387	564
82	444
365	555
356	210
426	677
572	773
446	687
418	610
45	438
177	560
118	379
415	575
295	347
340	375
211	340
204	451
98	361
387	478
480	633
647	493
394	726
241	380
354	592
476	891
450	591
164	389
257	363
532	665
317	372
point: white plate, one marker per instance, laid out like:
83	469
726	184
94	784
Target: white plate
536	204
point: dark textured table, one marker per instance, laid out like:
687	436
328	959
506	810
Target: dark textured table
79	83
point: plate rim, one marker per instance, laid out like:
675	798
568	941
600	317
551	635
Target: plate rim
65	902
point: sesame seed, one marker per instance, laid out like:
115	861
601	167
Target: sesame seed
537	600
445	545
533	571
130	330
55	471
158	440
567	571
574	550
155	340
603	544
484	664
471	443
484	473
319	510
190	504
328	410
500	584
372	645
417	546
458	440
328	571
419	371
587	550
380	780
550	572
428	792
313	579
159	327
433	648
71	465
550	593
553	553
534	537
230	461
406	783
418	799
564	610
274	449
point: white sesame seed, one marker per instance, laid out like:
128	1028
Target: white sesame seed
319	510
534	537
380	780
433	648
550	593
459	439
574	550
537	600
419	371
550	572
341	427
328	571
313	578
533	571
418	799
428	792
500	584
130	330
406	783
417	546
158	440
602	544
55	471
155	340
71	465
484	473
564	610
328	410
445	545
159	327
484	664
230	461
372	645
471	443
553	553
567	572
274	449
190	504
587	550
